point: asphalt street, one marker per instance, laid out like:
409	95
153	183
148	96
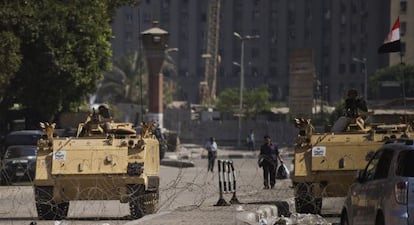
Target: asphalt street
187	195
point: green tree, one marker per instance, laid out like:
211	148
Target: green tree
169	70
125	81
10	59
255	101
399	73
64	48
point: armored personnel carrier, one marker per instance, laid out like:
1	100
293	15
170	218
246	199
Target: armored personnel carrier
104	161
325	164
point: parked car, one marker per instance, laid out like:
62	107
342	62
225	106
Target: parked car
18	164
21	137
383	193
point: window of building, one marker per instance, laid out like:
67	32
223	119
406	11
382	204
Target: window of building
255	71
342	48
273	55
203	17
291	17
272	37
402	47
255	53
403	28
147	17
403	7
128	36
354	8
341	89
341	68
255	14
128	18
325	52
273	71
308	34
291	33
273	14
343	8
353	48
165	4
352	68
308	13
165	18
327	14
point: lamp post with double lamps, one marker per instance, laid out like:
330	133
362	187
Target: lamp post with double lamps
364	63
242	40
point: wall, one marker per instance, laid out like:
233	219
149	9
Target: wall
226	131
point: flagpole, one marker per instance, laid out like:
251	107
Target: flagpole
403	85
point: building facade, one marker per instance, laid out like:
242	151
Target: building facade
403	9
343	34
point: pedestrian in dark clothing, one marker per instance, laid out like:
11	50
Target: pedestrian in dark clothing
211	147
269	154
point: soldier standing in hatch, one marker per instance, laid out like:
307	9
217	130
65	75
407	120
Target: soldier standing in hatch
269	154
353	103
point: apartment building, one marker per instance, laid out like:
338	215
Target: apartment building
343	34
404	9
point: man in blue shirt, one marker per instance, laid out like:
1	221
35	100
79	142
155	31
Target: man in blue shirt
269	154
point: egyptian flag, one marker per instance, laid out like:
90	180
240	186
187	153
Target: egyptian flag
392	42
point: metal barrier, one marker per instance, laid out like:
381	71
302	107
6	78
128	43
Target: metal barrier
227	182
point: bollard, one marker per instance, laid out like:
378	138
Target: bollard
234	199
227	182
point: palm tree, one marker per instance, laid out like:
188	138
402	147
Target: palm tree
126	82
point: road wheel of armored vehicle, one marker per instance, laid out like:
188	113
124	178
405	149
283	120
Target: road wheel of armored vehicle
142	202
47	209
305	202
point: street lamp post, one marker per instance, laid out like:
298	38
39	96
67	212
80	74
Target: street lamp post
242	40
364	63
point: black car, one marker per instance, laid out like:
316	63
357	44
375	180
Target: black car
21	137
18	164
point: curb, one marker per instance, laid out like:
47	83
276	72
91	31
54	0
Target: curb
177	163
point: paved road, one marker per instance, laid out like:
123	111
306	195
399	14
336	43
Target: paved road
187	196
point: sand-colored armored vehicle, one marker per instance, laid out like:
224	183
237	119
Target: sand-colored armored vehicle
105	161
325	164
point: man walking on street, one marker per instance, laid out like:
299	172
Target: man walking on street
211	147
250	140
269	154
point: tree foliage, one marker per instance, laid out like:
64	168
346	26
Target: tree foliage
10	59
127	82
255	101
64	47
400	73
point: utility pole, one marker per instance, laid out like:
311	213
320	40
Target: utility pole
242	40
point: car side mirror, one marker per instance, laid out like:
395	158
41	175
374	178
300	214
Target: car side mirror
359	176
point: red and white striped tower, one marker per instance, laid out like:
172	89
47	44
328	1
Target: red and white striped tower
155	41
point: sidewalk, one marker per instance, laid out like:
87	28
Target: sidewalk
185	153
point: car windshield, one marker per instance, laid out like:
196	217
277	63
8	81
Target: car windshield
20	151
406	164
22	139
